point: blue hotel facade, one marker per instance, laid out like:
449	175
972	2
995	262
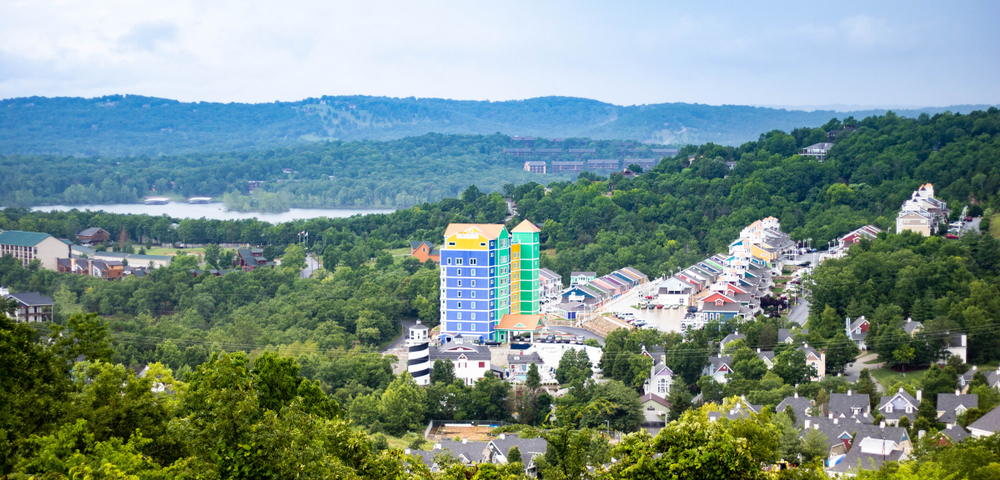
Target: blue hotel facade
475	279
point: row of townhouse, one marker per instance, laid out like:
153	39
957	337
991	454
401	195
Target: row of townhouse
735	282
106	269
587	291
922	213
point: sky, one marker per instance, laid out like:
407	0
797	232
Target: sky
790	54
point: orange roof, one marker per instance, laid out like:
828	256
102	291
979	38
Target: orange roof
489	230
526	227
519	322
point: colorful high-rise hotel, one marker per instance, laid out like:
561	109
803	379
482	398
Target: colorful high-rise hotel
487	272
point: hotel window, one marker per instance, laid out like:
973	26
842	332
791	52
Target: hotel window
472	261
459	294
473	283
482	244
451	244
459	325
473	327
473	293
449	261
459	270
459	283
458	261
473	306
459	305
473	273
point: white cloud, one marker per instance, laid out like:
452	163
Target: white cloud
629	53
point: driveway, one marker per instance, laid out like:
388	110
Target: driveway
853	371
578	331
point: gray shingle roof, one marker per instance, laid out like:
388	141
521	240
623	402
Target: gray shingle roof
896	411
989	422
799	405
453	352
956	433
474	452
910	326
528	446
525	359
732	337
949	403
30	299
89	232
842	404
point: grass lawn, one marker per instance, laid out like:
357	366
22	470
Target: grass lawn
403	442
887	377
995	225
399	251
173	251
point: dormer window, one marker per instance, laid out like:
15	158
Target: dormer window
909	409
888	408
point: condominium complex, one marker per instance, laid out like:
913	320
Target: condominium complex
922	213
487	272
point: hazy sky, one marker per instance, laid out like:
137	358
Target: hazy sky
759	53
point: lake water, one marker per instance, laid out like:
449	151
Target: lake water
215	211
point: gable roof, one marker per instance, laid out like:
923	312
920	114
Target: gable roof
526	227
415	245
843	404
949	403
519	322
90	232
583	274
732	337
517	359
649	397
30	299
489	230
22	239
988	423
529	447
910	326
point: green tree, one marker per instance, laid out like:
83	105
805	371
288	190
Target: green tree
573	366
534	380
294	257
696	448
403	405
840	353
616	403
791	366
212	255
443	372
679	398
85	336
514	455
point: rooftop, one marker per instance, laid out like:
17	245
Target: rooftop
22	239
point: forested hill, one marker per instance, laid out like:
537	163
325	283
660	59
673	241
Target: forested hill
134	125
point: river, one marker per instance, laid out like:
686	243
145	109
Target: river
215	211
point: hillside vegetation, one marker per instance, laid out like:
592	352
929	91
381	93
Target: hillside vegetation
118	125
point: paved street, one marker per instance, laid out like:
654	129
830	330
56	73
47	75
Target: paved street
800	312
399	341
311	266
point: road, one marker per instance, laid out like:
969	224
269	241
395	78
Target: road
800	312
311	266
399	341
578	331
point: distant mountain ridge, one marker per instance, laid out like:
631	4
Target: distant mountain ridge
122	125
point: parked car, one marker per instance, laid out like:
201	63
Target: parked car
579	339
951	236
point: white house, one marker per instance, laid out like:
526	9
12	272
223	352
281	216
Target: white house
471	361
675	291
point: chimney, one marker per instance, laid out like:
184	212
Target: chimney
406	452
815	426
973	367
503	436
437	446
835	420
848	392
465	440
921	433
866	414
807	424
920	395
881	425
957	392
830	415
796	395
